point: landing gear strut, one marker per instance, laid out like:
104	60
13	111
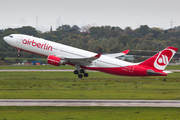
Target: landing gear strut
19	54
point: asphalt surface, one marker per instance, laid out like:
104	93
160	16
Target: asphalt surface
75	102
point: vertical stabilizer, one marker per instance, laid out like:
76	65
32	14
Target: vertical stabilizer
161	59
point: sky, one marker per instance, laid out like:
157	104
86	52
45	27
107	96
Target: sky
42	14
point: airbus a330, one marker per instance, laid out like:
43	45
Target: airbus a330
58	54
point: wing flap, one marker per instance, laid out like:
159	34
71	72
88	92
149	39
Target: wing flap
83	61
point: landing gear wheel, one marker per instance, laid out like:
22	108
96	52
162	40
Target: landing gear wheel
80	75
86	75
75	71
81	70
19	55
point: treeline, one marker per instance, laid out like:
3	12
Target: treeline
104	39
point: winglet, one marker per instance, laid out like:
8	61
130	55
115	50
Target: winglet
126	51
98	55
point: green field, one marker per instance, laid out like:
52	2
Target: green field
66	85
36	67
173	67
88	113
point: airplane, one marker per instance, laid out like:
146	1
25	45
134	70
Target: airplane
58	54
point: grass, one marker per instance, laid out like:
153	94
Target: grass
36	67
88	113
43	59
65	85
60	85
173	67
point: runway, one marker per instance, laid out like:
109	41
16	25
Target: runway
76	102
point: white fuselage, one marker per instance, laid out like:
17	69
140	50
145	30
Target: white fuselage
46	48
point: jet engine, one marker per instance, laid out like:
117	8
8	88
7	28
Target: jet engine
53	60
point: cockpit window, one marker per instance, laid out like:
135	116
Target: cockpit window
11	36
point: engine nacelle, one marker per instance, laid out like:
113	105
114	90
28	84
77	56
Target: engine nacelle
53	60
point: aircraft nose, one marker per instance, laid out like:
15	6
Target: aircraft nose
5	38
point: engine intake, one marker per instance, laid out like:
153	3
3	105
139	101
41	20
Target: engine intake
53	60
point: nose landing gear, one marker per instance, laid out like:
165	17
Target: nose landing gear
19	54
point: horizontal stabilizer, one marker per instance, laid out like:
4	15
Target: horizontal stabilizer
168	71
151	72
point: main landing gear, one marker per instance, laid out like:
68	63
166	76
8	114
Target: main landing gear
79	73
19	54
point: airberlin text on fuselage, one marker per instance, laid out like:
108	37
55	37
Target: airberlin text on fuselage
38	45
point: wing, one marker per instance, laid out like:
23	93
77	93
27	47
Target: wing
82	61
114	55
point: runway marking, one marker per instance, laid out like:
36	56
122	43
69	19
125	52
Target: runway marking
75	102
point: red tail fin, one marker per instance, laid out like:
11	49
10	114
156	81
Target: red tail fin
161	59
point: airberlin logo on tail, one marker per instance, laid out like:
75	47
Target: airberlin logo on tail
163	59
38	45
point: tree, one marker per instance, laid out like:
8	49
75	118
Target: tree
144	29
156	32
9	31
28	30
98	49
128	30
149	36
127	46
64	27
115	48
66	41
123	38
136	40
75	28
